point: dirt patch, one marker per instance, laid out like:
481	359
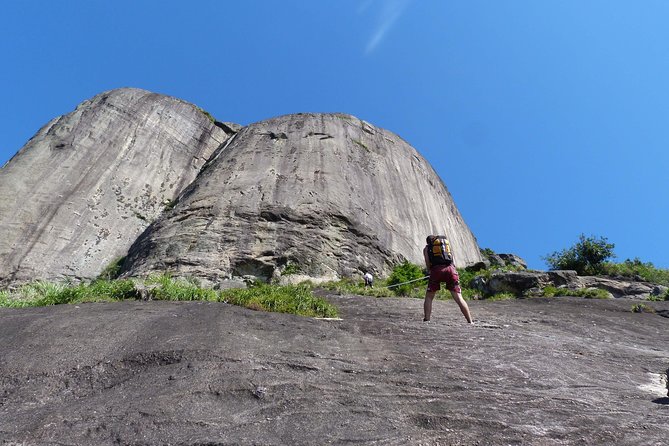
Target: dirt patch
535	371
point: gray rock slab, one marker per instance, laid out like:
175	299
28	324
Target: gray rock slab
620	288
78	194
327	192
539	371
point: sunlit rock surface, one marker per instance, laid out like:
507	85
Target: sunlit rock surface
561	371
327	195
77	195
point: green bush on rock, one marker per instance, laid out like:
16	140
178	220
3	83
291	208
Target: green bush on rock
405	272
586	257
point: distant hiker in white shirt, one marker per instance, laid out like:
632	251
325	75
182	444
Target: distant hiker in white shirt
369	280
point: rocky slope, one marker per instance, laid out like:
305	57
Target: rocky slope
561	371
328	193
78	194
532	283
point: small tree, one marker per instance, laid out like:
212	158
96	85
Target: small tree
405	272
585	257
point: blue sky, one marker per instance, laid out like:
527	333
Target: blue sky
545	119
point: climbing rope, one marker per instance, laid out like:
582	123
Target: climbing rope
404	283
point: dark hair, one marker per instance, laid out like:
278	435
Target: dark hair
429	239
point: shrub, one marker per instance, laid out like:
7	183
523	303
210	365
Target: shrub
487	252
586	257
405	272
466	279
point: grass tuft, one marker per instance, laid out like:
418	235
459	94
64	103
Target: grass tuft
642	308
588	293
293	299
636	269
164	287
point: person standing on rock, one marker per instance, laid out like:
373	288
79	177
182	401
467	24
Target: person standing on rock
439	262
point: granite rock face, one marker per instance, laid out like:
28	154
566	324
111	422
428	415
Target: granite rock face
558	372
78	194
326	195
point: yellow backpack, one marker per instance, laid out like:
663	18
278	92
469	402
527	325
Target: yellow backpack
439	250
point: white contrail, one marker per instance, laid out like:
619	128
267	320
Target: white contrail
390	12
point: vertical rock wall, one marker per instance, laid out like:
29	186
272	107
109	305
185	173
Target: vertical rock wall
78	194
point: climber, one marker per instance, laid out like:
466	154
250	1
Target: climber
369	280
439	263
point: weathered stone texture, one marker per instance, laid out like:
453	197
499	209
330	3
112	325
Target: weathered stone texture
531	372
328	192
87	184
528	283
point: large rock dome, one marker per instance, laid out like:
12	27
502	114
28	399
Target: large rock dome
325	195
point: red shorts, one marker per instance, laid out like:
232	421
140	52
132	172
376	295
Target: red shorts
447	274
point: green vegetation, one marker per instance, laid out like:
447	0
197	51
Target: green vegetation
466	279
642	308
169	204
487	252
588	293
500	296
586	257
405	272
299	299
661	297
205	112
166	288
112	270
294	299
589	257
40	294
350	286
290	269
636	269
